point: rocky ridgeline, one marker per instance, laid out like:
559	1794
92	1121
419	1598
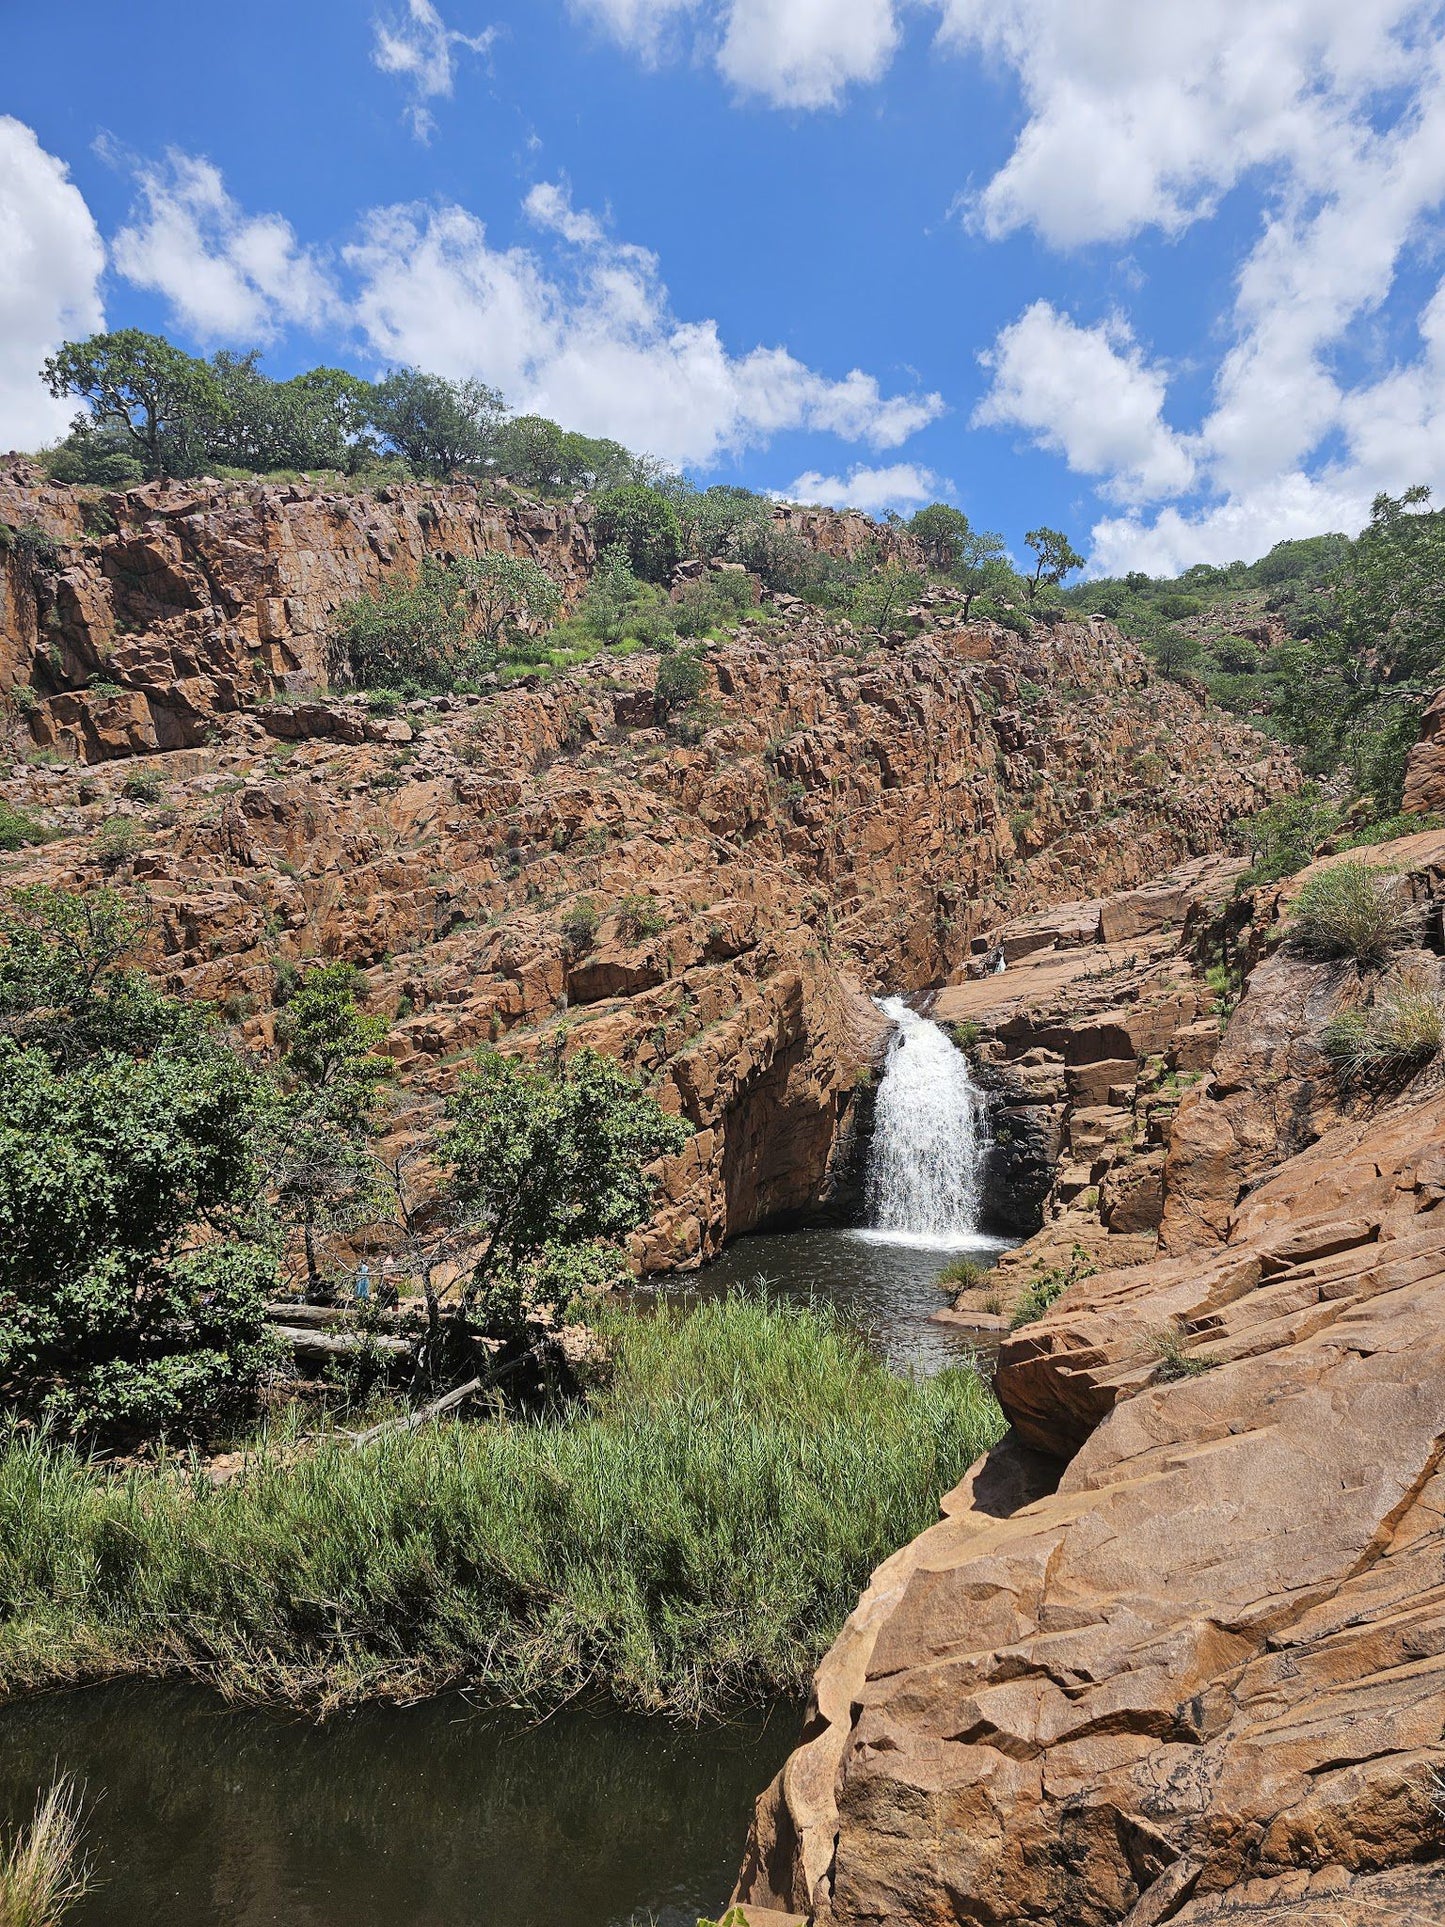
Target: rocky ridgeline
1176	1652
713	899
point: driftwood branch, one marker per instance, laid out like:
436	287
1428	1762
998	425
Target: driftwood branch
412	1420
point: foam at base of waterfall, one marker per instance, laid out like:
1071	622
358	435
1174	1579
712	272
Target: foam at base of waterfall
925	1165
956	1243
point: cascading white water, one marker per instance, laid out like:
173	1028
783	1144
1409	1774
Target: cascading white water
925	1167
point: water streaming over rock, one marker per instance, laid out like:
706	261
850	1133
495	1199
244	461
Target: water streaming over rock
930	1134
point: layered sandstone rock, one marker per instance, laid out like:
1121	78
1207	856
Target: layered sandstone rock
1176	1651
713	902
835	821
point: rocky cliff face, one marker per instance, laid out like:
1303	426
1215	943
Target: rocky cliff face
712	900
186	600
1176	1651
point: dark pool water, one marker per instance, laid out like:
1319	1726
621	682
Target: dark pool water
434	1816
885	1285
440	1815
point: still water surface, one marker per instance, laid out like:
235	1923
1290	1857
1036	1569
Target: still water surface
882	1282
431	1816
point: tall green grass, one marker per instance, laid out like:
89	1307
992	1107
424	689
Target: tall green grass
690	1538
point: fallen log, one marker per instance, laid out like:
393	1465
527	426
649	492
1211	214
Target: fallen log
319	1317
324	1344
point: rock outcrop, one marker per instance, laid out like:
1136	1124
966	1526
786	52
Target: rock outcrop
713	898
1176	1651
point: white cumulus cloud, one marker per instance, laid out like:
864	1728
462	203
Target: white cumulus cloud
1089	395
419	47
227	275
593	341
1142	117
806	53
898	486
791	53
51	260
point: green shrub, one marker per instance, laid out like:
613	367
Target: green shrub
1048	1285
18	829
1401	1028
644	523
125	1124
690	1537
639	916
1351	909
680	681
1284	838
414	633
142	786
579	926
37	545
118	839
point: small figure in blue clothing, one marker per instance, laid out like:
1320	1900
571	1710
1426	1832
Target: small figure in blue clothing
363	1280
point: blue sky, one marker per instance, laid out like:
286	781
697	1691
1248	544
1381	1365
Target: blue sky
1167	277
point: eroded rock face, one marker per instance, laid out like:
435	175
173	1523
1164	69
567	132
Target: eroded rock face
1176	1651
714	904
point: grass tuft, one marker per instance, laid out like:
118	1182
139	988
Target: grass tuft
688	1539
42	1871
1352	909
1401	1029
962	1274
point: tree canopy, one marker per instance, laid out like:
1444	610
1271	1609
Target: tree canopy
133	1261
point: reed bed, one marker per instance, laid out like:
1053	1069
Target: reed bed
688	1539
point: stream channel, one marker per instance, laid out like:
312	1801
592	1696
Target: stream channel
444	1815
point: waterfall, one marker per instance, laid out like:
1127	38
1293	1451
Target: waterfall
929	1137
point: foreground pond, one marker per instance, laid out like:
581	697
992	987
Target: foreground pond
430	1816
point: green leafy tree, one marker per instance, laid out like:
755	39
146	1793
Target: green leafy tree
612	595
164	402
547	1174
981	568
315	420
644	522
941	532
1055	558
506	590
435	424
95	454
597	462
881	598
716	520
531	451
681	679
132	1270
412	632
319	1133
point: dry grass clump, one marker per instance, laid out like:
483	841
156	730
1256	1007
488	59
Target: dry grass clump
1357	910
1171	1347
1401	1029
43	1871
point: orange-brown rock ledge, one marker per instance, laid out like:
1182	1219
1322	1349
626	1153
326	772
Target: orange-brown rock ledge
1176	1651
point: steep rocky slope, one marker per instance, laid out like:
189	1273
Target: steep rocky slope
712	898
1176	1651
